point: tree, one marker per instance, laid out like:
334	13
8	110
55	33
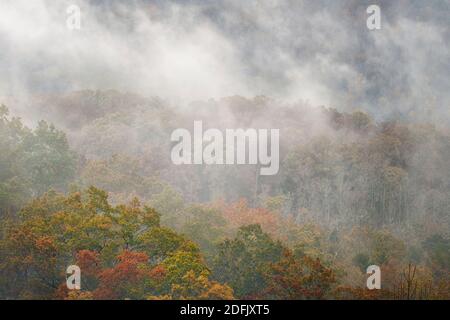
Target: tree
298	278
241	262
123	252
438	251
48	159
125	280
31	161
206	226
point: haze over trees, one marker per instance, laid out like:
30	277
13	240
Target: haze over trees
86	176
103	194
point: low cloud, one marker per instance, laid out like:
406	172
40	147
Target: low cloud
316	51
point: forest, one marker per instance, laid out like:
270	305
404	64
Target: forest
92	184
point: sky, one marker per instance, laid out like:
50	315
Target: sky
316	51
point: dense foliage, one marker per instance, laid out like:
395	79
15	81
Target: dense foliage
351	192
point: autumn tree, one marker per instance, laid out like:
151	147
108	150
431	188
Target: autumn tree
123	251
298	278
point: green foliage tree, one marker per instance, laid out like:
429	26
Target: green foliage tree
241	262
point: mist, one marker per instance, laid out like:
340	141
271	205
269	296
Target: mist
360	158
315	51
